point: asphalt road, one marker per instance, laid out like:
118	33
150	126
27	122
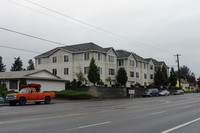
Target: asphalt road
174	114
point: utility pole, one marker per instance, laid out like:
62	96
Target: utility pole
178	70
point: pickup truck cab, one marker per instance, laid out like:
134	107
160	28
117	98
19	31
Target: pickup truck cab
29	94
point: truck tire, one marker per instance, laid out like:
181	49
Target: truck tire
37	103
22	101
47	100
12	103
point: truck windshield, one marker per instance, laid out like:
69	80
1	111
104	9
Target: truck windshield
23	91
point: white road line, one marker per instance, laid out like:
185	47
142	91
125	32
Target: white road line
97	124
92	125
186	107
157	113
182	125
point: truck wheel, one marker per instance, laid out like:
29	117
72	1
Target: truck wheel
37	103
47	100
22	101
11	103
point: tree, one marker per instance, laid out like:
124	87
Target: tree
172	78
109	80
80	75
198	82
122	76
2	66
17	65
31	65
192	79
159	77
165	76
184	72
93	73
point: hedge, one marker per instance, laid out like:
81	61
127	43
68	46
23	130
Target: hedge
71	94
4	91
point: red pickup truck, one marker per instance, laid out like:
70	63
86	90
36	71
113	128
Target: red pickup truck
29	94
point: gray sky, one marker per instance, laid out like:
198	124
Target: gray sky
166	27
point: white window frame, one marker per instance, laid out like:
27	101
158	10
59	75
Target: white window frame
111	58
66	58
100	56
111	71
86	70
54	59
66	71
86	56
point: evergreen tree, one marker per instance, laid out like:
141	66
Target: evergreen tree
2	66
17	65
172	78
165	76
159	77
93	73
122	76
30	65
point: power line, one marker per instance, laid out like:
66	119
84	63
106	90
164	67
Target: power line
19	49
28	35
90	25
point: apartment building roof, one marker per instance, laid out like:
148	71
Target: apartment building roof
75	49
126	54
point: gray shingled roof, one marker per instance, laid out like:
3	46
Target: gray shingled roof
26	75
76	48
123	53
158	63
126	54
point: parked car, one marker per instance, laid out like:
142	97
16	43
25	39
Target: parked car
151	92
1	100
178	92
164	93
29	94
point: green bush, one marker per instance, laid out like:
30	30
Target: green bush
4	92
71	94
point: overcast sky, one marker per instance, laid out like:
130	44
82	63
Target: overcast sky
163	28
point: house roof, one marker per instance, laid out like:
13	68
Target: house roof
28	75
158	63
184	81
76	48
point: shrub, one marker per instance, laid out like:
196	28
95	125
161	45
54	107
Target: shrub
117	84
101	83
79	83
67	83
105	85
4	92
71	94
74	84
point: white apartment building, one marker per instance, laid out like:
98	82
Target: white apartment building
66	61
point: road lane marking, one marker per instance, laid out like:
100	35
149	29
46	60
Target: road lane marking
186	107
97	124
182	125
87	126
157	113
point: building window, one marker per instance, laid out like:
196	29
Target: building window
100	70
145	76
54	59
13	84
151	76
86	70
145	65
66	71
121	62
54	71
86	56
111	58
66	58
100	57
151	67
131	63
111	71
39	61
137	75
137	64
131	74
